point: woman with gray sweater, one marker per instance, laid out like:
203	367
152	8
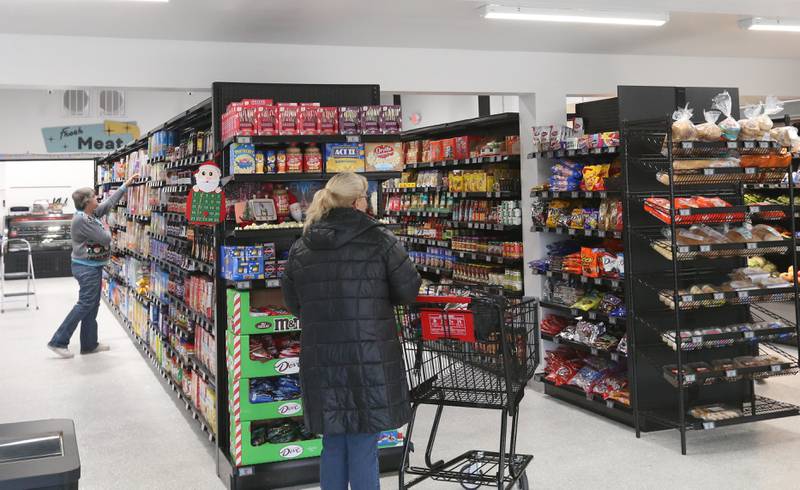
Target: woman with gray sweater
91	249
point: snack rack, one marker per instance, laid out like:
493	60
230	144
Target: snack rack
454	254
697	354
598	117
242	464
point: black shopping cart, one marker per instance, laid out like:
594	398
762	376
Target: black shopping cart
474	350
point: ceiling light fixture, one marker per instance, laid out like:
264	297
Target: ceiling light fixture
764	24
576	16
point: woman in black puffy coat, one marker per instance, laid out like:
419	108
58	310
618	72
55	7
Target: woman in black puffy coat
342	280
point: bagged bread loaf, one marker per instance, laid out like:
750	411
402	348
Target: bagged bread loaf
683	129
729	126
772	107
750	127
709	131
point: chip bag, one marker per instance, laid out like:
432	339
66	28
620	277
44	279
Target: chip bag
729	126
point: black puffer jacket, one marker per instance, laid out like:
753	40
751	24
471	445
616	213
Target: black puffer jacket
342	280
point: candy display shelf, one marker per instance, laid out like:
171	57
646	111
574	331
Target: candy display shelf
243	465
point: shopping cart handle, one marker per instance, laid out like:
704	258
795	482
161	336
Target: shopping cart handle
444	299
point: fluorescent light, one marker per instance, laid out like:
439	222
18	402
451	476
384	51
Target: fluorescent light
575	16
764	24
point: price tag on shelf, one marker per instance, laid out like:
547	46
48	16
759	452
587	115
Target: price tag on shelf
574	194
610	403
697	339
687	297
613	320
776	368
683	250
755	209
749	335
731	145
601	233
584	279
743	294
594	351
686	145
689	378
548	273
571	231
614	284
750	170
748	145
592	315
684	212
614	356
708	171
752	245
556	340
705	248
763	144
731	373
354	138
708	425
719	296
589	396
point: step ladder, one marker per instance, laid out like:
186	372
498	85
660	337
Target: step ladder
29	275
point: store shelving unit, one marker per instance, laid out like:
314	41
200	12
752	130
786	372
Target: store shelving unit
666	322
498	126
286	472
158	324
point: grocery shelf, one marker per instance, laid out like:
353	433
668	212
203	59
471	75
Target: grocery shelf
606	150
576	313
463	162
483	257
140	181
420	213
547	194
167	380
663	246
613	355
283	139
759	409
187	161
483	226
423	241
299	177
172	215
593	402
614	284
434	270
446	191
577	232
110	183
197	317
139	218
272	283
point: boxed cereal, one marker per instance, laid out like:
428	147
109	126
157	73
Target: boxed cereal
384	157
344	157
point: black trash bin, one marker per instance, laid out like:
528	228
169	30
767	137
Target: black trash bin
39	454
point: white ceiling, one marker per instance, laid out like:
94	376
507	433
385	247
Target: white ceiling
700	28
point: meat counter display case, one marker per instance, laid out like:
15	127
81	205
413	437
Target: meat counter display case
49	236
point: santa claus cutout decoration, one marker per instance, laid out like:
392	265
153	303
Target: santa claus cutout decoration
206	203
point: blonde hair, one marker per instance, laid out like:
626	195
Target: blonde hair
341	191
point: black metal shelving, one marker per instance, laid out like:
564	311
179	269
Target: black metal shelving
690	350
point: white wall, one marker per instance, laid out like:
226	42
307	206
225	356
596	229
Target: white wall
24	112
29	61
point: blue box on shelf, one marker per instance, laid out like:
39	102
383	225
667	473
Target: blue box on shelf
242	263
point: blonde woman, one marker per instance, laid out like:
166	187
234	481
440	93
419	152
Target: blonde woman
342	279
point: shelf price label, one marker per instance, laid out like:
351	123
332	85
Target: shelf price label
697	339
743	294
750	170
755	209
719	296
731	373
705	248
776	368
751	246
689	378
749	335
614	356
684	212
708	425
609	403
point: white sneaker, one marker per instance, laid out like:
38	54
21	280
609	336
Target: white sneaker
99	348
62	352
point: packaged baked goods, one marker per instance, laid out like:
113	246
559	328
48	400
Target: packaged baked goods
785	135
766	233
705	163
750	128
714	412
729	126
709	131
682	128
772	107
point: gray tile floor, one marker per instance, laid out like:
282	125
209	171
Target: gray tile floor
132	436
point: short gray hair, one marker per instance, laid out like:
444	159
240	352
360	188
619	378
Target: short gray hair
82	196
